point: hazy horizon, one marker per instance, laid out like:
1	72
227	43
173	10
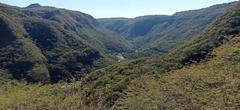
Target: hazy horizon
124	8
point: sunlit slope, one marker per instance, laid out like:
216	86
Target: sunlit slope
205	85
213	84
21	96
108	85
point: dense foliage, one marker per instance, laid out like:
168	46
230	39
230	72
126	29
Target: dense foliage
213	84
111	82
161	34
201	74
48	44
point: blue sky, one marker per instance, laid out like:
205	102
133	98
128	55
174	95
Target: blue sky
122	8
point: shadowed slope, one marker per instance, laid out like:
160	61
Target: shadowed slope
48	44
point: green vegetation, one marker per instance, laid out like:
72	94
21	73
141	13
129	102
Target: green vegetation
21	96
162	34
111	82
207	85
201	74
46	44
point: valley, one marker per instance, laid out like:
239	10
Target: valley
58	59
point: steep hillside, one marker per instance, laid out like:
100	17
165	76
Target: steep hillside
132	28
201	74
109	84
207	85
45	44
161	34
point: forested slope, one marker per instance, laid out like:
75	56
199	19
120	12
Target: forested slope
40	43
201	74
159	34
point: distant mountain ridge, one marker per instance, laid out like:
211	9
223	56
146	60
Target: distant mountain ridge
162	33
34	5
